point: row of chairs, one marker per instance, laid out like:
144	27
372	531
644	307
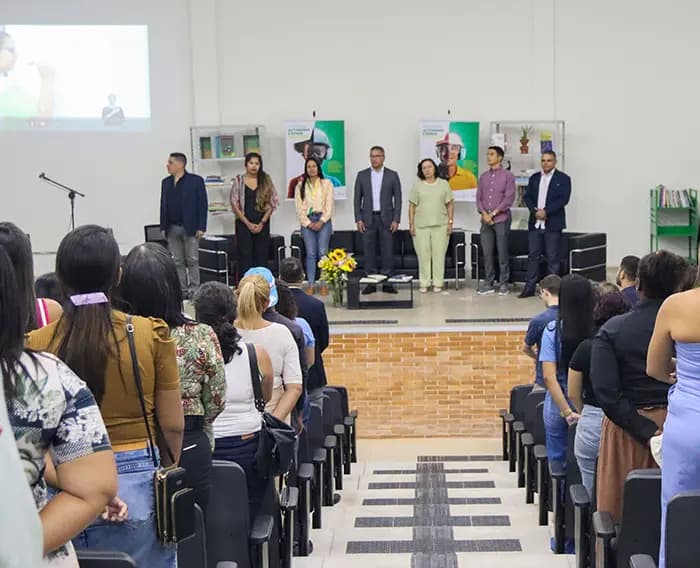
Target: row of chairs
228	538
599	541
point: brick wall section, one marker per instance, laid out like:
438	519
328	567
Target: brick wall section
428	384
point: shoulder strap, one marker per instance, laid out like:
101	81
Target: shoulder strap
139	388
255	377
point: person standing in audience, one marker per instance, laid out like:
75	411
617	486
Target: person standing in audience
377	204
183	219
59	433
549	292
314	206
430	220
48	287
38	312
91	338
674	358
627	279
547	194
287	307
633	402
253	200
494	198
608	305
560	340
150	288
253	295
313	311
237	428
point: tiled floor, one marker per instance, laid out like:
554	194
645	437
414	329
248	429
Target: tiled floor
479	520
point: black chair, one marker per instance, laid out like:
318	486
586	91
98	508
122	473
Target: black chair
322	446
518	395
640	529
341	428
520	427
682	542
533	435
230	536
581	502
564	476
349	422
103	559
304	483
192	552
333	428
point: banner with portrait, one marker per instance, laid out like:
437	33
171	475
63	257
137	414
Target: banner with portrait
455	148
321	139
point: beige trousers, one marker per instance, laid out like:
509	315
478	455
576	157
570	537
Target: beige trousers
431	244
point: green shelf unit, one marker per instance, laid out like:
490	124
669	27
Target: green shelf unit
674	222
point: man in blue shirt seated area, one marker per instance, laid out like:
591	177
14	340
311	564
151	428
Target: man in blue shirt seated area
549	292
627	279
183	219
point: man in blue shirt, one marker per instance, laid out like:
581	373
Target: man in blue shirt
549	292
183	219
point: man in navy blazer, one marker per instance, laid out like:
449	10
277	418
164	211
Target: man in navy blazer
314	312
547	195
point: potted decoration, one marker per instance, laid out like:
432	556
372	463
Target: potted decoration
335	267
525	132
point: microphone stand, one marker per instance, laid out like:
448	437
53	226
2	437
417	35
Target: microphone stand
71	195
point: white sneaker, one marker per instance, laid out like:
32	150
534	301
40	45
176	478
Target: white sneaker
437	290
423	290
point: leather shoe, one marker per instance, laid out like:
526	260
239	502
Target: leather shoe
389	289
369	289
527	293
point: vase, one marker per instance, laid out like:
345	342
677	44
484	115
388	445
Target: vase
524	145
337	295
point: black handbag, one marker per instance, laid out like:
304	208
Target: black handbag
174	501
276	446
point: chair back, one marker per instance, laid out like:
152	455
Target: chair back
518	396
104	559
228	518
538	430
192	552
682	542
532	400
640	531
315	429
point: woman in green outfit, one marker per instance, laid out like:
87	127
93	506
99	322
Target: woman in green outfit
430	218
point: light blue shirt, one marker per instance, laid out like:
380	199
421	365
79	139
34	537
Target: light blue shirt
550	351
308	334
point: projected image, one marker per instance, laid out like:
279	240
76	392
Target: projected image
74	77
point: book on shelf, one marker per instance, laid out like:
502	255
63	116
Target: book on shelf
251	143
546	144
205	147
224	146
213	179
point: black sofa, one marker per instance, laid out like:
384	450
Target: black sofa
219	259
405	258
581	253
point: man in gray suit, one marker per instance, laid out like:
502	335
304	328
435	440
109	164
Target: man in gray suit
378	214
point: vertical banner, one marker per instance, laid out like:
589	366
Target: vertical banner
322	139
455	148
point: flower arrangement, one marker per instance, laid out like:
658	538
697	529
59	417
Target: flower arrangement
335	267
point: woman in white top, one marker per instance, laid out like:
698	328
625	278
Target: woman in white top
253	299
237	428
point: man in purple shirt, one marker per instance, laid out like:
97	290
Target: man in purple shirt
494	198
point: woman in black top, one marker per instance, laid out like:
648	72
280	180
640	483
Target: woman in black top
253	200
608	305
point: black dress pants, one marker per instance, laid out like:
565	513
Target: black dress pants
196	459
253	250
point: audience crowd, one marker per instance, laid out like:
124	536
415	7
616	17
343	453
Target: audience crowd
93	419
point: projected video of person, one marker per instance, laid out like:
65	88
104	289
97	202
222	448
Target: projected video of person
74	77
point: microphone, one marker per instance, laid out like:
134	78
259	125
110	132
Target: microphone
42	175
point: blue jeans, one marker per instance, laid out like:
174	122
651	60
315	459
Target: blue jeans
555	430
587	444
234	449
316	245
137	535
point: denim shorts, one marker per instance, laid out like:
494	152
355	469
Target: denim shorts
137	535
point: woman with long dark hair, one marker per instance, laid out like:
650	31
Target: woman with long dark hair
237	428
91	338
580	389
559	341
36	312
52	411
253	200
314	205
150	288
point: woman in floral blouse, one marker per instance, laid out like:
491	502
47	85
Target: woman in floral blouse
52	411
150	288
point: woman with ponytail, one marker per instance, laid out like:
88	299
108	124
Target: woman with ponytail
91	338
237	428
150	288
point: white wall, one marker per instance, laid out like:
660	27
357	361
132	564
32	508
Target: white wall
119	172
619	73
